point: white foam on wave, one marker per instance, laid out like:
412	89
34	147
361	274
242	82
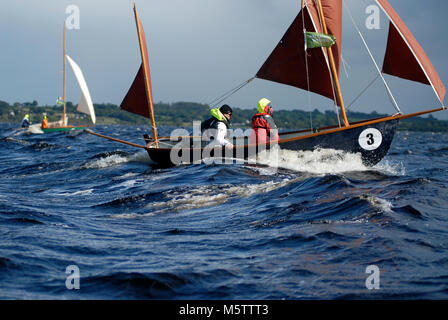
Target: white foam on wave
35	129
105	162
127	180
118	159
127	183
319	161
213	195
125	176
208	196
76	193
83	192
392	168
323	161
126	216
15	140
378	203
203	197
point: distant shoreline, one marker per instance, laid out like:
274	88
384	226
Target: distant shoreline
182	114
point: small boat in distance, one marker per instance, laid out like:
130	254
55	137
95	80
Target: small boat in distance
313	68
85	104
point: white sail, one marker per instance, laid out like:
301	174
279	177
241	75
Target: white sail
85	104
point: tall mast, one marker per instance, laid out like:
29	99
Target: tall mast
333	67
65	88
147	85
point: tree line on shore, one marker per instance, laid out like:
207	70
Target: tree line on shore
182	114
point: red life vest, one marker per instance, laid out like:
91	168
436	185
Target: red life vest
264	129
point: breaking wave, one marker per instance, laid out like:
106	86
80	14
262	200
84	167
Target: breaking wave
319	161
110	159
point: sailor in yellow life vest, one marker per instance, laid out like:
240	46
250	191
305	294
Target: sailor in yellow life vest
215	128
26	121
44	123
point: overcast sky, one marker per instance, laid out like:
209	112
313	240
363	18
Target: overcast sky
198	50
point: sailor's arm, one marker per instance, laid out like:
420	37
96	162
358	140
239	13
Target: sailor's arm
221	136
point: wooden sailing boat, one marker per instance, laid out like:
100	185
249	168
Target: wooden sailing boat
288	64
85	104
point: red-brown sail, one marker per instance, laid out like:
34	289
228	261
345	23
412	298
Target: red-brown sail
138	100
135	100
287	63
404	56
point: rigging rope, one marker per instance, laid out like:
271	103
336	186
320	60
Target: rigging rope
394	102
345	64
229	93
362	92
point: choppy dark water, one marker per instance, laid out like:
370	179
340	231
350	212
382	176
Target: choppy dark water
308	230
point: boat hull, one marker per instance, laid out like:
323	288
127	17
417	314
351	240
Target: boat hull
67	128
371	139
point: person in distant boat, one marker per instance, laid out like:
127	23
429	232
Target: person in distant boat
263	125
26	121
44	124
216	127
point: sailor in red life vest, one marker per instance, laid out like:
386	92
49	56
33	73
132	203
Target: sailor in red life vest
264	128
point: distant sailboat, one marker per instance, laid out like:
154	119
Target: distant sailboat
314	69
85	104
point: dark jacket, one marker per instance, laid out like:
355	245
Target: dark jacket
216	128
25	123
212	123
